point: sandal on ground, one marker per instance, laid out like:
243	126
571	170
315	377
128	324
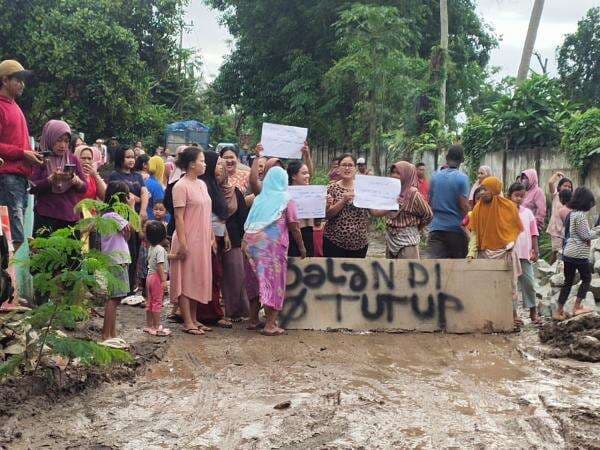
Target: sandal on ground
204	327
151	331
194	331
115	343
224	323
278	332
163	331
256	327
8	307
235	319
559	317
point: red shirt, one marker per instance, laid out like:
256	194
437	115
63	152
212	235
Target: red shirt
423	187
14	138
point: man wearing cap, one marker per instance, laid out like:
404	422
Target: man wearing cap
15	149
361	164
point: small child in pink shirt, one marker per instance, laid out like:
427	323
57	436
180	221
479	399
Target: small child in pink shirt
526	250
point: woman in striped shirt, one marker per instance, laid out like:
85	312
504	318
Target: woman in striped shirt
576	252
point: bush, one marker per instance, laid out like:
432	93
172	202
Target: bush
477	140
581	139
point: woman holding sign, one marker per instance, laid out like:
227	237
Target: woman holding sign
271	218
299	175
347	227
403	227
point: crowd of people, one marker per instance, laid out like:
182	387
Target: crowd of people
217	233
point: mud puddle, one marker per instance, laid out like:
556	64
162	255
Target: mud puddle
345	391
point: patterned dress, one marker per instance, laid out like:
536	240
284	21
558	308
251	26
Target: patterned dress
267	251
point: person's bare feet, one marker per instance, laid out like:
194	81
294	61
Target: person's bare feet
581	310
224	323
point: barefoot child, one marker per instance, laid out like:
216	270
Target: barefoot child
576	252
156	282
526	250
116	246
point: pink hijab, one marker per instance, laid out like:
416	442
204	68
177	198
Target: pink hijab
407	173
535	199
53	130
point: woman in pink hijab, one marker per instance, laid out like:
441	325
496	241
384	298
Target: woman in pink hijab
535	199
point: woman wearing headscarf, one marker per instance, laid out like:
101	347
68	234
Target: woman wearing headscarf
212	311
59	183
271	217
482	174
495	223
535	199
96	187
233	286
403	227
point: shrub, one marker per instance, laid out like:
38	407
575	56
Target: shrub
581	139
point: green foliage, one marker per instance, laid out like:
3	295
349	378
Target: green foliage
320	177
87	352
107	67
581	139
69	275
283	51
531	115
477	140
11	365
579	60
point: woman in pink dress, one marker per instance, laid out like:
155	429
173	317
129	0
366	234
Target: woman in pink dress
267	241
191	268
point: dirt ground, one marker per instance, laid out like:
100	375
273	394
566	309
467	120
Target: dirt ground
360	390
332	391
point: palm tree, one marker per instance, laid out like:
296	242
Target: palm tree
534	23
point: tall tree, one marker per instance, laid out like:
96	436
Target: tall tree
579	60
444	46
534	23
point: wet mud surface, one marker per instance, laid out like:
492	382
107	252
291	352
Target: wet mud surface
333	390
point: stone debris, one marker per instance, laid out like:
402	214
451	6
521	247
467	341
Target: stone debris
577	337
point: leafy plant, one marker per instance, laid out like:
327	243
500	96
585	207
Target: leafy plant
477	140
581	139
68	274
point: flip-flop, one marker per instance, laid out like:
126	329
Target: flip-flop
224	324
204	327
194	331
582	311
163	331
115	343
258	326
274	333
151	331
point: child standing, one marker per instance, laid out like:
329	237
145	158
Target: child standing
526	250
576	252
116	246
156	282
160	213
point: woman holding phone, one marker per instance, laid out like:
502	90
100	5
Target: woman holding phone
59	183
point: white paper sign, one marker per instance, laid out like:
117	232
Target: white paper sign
376	192
283	141
310	201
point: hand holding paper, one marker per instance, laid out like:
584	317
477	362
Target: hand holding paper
376	192
283	141
310	201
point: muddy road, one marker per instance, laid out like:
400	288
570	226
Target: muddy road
344	391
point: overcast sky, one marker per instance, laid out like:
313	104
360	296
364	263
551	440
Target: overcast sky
509	18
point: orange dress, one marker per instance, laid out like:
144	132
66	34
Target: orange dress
192	276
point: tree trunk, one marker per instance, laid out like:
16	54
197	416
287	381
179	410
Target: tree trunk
373	135
534	23
444	46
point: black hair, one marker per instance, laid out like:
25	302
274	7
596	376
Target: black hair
582	200
160	202
455	153
219	204
155	232
73	142
120	156
420	164
565	196
187	157
231	149
293	168
140	161
120	189
347	155
516	187
563	181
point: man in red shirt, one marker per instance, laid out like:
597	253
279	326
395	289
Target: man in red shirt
15	149
423	184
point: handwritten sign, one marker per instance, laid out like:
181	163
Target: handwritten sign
310	201
376	192
377	294
283	141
